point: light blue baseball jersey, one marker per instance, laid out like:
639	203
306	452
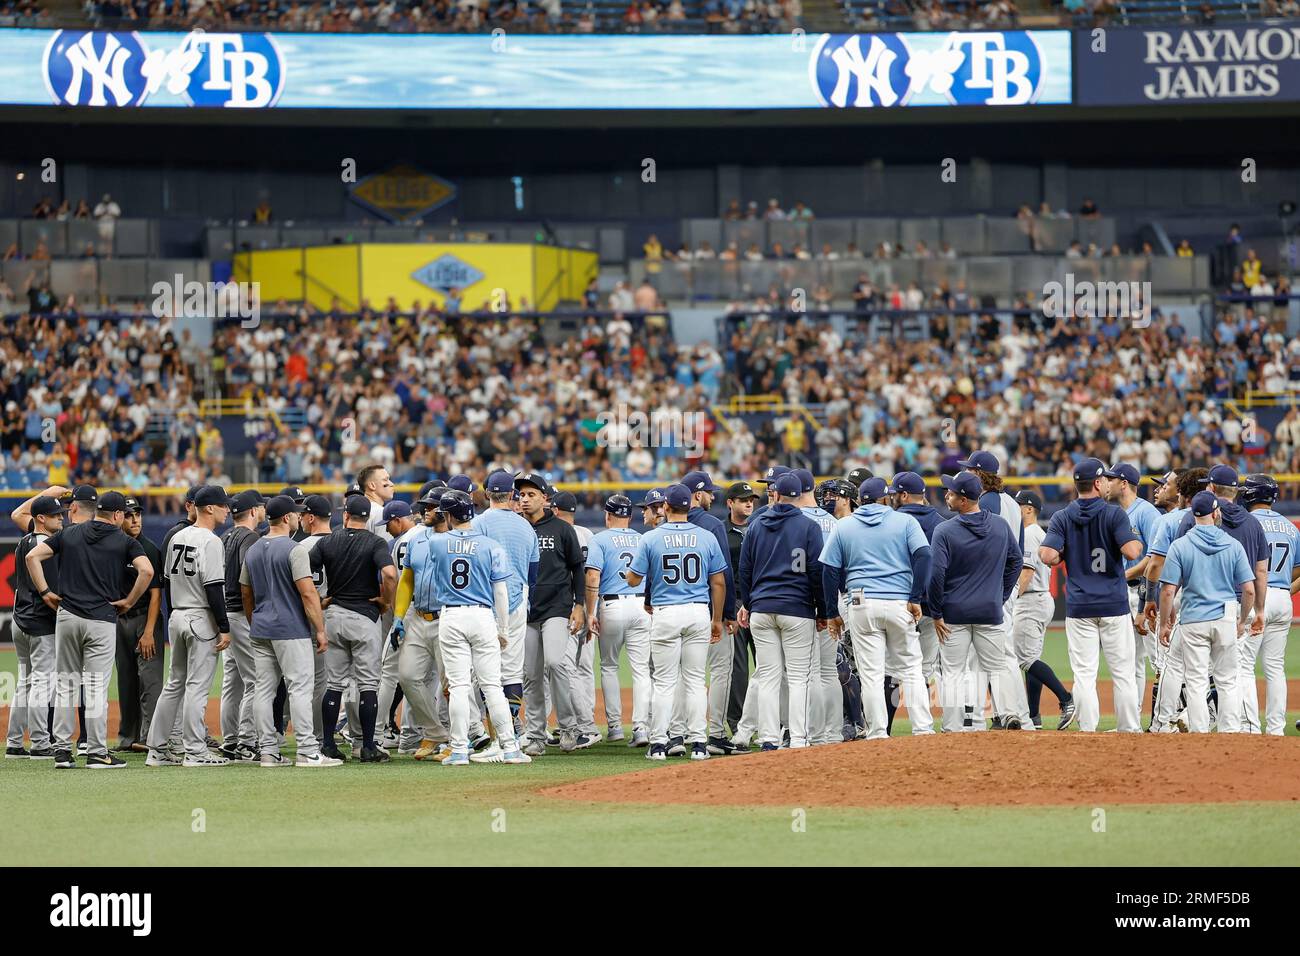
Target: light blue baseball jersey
824	519
676	559
611	552
1283	538
455	568
1166	526
874	548
1142	516
519	541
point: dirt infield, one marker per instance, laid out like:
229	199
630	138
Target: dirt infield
997	768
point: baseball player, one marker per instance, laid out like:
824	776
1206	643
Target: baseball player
687	574
517	538
769	480
616	615
652	509
1092	537
1258	494
313	525
376	486
399	524
362	583
719	653
565	505
840	497
975	564
469	572
239	736
880	558
1172	496
1209	567
1121	486
94	558
1034	610
286	628
33	633
827	707
780	586
741	499
139	634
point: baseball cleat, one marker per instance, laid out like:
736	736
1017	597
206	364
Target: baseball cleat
104	761
16	753
41	753
848	732
769	748
656	752
492	754
568	742
212	743
1069	714
553	740
456	760
334	753
63	760
614	734
676	747
83	747
272	760
1038	721
480	742
535	748
406	749
739	748
389	740
998	723
163	758
516	756
640	738
1011	722
248	755
587	740
427	749
721	747
699	751
208	759
316	760
374	755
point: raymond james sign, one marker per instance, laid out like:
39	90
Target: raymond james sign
1247	62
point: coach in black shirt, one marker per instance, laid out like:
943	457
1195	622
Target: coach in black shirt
741	499
93	566
139	644
355	562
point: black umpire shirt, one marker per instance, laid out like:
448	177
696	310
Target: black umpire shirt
94	568
735	538
234	546
31	613
155	558
353	559
560	574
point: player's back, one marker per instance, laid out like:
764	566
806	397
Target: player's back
465	566
611	552
1283	538
195	558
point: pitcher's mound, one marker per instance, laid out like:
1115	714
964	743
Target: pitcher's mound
996	768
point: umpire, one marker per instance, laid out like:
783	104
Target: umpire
139	645
741	499
93	560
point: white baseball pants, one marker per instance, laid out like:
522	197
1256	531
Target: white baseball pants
468	638
1210	647
1269	647
625	624
679	641
987	642
780	638
879	628
1115	637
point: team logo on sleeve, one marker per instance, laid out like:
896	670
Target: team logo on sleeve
227	70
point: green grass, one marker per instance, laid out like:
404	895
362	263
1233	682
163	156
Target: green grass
414	813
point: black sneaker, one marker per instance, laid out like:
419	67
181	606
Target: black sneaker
656	752
721	747
374	755
740	748
699	751
229	751
63	760
42	753
770	748
104	761
334	753
676	747
16	753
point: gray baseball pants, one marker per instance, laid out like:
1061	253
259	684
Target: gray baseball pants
292	659
34	690
83	654
238	679
193	662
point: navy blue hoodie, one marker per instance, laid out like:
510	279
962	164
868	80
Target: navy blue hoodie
929	519
975	564
769	579
702	519
1089	534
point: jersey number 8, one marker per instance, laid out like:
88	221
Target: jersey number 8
459	574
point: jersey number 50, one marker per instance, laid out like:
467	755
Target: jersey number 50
682	567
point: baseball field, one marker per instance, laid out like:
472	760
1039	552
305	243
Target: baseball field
987	799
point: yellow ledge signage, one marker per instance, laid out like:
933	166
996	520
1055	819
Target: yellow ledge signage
403	192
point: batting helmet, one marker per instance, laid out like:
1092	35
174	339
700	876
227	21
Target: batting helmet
1259	489
458	505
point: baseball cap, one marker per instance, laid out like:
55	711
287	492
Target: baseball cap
462	483
358	506
678	497
1204	503
907	481
1166	478
858	476
396	509
212	495
655	496
46	505
773	473
806	480
967	484
88	493
1027	497
244	501
873	489
500	482
133	505
192	493
741	490
1125	472
982	461
281	505
699	481
294	492
1089	469
788	485
564	501
318	506
535	480
427	487
351	489
1224	475
112	501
